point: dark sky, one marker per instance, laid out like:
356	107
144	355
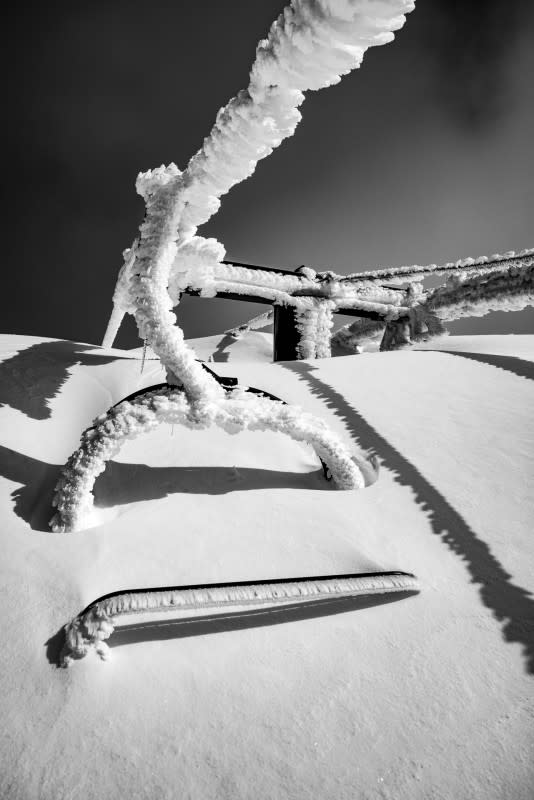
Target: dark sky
423	155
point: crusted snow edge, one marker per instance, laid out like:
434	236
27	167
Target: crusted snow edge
89	630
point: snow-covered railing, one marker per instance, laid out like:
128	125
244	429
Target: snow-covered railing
479	265
505	284
509	289
89	630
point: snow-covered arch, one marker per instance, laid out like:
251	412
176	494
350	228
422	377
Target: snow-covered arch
240	410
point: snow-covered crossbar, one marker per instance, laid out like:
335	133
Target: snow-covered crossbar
89	630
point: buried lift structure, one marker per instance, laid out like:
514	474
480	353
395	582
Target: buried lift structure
90	629
390	297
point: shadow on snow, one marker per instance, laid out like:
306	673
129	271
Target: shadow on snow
129	483
221	353
511	605
35	375
518	366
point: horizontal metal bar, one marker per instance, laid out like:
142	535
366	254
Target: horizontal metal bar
348	312
262	269
246	298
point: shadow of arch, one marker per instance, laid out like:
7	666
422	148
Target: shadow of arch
129	483
518	366
33	500
35	375
225	622
511	605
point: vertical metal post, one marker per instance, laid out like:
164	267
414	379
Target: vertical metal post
286	336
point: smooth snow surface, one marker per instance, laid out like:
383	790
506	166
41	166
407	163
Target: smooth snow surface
428	697
252	346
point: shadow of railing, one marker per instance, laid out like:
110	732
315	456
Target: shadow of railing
518	366
511	605
35	375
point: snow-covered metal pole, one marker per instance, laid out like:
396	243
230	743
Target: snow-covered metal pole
310	46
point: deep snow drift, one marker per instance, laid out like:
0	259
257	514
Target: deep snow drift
426	697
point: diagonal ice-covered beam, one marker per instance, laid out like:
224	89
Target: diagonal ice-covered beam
309	47
508	289
464	295
467	266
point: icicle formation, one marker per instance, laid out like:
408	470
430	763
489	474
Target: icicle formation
74	498
89	630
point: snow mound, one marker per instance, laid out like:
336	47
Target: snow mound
385	697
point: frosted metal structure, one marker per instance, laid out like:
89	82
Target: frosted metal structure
309	47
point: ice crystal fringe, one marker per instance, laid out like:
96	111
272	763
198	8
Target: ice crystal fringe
510	289
314	323
481	265
96	624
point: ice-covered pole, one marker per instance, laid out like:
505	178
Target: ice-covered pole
310	46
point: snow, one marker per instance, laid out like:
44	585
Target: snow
428	697
255	346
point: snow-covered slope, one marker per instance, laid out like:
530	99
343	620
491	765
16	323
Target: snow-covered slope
252	346
428	697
